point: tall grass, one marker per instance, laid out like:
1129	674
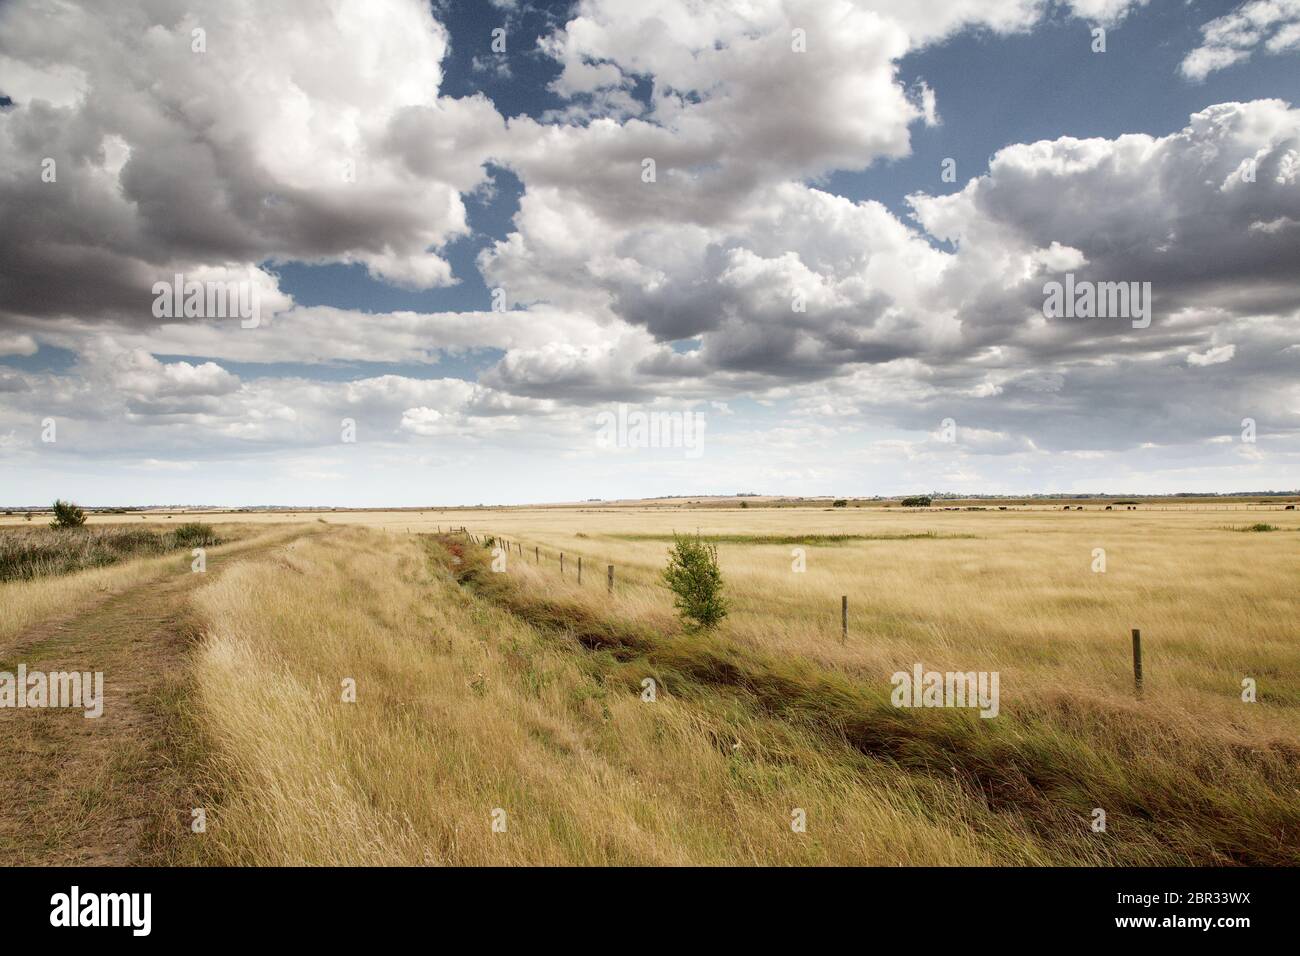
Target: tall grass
463	709
1185	794
27	602
479	691
29	553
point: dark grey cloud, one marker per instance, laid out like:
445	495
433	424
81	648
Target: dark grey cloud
285	137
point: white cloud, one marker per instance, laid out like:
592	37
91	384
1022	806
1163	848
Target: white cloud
836	319
1212	356
1273	25
16	344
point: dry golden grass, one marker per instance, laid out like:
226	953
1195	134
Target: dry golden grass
24	603
1008	592
464	707
521	691
112	790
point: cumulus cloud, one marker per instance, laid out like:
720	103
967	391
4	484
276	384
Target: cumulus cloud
1173	210
732	277
1270	25
149	139
803	286
203	409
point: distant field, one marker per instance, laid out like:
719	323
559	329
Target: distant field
813	539
521	691
395	517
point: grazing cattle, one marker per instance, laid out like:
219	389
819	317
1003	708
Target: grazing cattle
1108	507
1290	507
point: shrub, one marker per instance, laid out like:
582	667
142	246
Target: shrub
919	501
840	503
67	515
192	534
693	576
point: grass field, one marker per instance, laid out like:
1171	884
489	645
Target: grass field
518	698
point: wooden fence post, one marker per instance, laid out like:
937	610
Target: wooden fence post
844	618
537	555
1137	662
579	569
610	585
561	564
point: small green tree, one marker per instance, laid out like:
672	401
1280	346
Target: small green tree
67	515
695	579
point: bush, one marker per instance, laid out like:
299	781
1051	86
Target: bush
840	503
67	515
919	501
694	578
192	534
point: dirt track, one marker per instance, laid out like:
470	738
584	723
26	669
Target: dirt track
114	790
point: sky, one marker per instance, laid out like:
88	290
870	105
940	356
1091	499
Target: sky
383	253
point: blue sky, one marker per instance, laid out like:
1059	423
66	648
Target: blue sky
781	175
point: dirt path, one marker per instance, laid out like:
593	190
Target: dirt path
110	790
